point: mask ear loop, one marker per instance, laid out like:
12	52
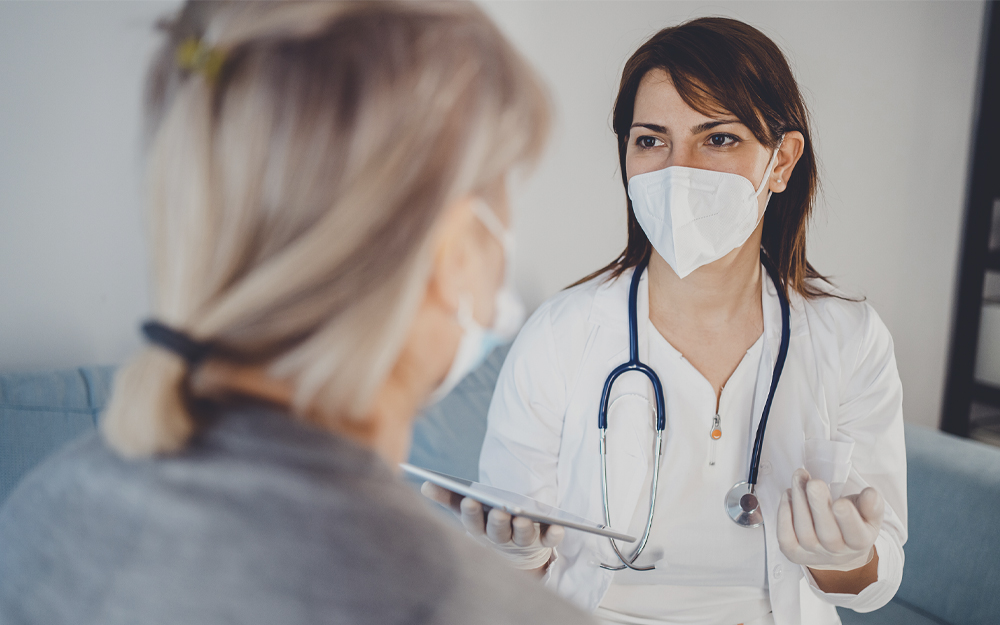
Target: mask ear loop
489	219
770	167
465	316
767	174
492	223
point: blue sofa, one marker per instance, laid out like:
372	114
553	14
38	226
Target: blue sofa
952	572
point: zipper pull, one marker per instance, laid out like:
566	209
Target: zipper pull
716	435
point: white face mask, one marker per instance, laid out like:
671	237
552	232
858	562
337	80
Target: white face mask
477	342
693	217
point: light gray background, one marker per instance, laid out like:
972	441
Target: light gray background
891	88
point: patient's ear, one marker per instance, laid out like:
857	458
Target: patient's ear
456	264
433	336
789	154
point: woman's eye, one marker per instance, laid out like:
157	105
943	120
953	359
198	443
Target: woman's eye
648	142
723	140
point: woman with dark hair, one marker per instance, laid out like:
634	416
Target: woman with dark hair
765	375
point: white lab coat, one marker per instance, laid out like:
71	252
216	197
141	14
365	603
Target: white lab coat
837	412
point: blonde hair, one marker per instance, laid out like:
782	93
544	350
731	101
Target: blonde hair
295	187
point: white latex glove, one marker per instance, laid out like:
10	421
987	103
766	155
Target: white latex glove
525	543
828	535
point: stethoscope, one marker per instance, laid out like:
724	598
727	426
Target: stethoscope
741	502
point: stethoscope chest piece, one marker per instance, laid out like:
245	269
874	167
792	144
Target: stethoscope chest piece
742	506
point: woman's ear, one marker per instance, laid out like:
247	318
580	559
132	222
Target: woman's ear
453	271
788	155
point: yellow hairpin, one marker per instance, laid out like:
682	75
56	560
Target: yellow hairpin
194	56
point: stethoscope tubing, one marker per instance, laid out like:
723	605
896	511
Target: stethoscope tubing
627	563
779	364
634	364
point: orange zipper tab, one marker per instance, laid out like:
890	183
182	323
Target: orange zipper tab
716	435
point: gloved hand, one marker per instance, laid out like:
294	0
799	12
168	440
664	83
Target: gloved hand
525	543
828	535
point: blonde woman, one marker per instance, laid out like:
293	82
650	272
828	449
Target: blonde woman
328	213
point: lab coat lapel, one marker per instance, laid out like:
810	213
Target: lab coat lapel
796	377
793	406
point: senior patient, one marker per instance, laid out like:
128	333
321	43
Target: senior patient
329	225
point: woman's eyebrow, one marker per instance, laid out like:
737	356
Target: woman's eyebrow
653	127
695	130
700	128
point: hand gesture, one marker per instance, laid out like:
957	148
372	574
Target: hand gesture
815	531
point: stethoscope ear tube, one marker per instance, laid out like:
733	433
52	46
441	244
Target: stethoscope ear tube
634	364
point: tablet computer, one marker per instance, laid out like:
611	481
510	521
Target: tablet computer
512	503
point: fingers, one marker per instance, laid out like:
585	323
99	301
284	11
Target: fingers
802	519
871	505
471	515
860	517
498	526
552	535
824	522
787	542
442	496
852	526
815	531
525	531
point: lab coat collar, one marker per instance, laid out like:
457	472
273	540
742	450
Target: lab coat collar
610	308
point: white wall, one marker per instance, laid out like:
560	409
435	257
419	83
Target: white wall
890	85
73	279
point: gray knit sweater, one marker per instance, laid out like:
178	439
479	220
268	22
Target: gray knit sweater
260	520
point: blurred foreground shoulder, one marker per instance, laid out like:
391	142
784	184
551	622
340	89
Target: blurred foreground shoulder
261	520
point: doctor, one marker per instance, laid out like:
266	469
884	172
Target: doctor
718	162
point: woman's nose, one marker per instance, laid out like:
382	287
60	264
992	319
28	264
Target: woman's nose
680	156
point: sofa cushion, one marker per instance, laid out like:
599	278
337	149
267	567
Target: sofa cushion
952	569
39	412
894	613
448	436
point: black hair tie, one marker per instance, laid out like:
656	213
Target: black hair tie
161	335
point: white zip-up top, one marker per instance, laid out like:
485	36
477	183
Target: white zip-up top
837	412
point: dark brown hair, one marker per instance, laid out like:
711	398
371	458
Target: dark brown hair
723	65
